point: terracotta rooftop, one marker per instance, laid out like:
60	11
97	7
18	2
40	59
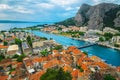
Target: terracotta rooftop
67	68
11	38
95	58
75	73
52	63
76	52
118	69
37	59
72	48
3	77
37	75
6	62
3	47
28	61
84	67
101	65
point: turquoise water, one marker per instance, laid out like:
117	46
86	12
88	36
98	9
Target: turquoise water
7	26
110	55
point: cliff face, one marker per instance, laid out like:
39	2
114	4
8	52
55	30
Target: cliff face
98	16
117	19
81	17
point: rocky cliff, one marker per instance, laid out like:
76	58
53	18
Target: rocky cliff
98	16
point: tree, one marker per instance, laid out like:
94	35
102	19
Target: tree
19	43
20	58
101	39
81	33
116	45
44	52
86	53
58	47
43	38
59	28
56	74
15	56
5	43
2	57
29	40
81	69
1	40
108	36
109	77
63	75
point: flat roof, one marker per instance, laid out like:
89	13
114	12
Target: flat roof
13	47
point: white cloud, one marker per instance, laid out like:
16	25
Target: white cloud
18	9
4	7
69	8
45	5
22	10
63	2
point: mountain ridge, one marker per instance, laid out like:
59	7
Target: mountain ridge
97	16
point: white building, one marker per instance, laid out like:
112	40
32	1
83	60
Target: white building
116	39
12	50
110	30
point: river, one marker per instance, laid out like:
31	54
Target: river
112	56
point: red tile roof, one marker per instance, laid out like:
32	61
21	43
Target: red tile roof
118	69
101	65
76	52
37	75
52	63
3	77
3	47
74	74
9	39
67	68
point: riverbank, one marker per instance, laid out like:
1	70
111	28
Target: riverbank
99	43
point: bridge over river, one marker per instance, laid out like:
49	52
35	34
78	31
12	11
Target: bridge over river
87	45
112	56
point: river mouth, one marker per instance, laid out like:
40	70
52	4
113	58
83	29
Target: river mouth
111	56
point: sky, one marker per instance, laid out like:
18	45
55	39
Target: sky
43	10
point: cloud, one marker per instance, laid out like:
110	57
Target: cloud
69	8
20	9
13	9
45	5
43	10
63	2
4	7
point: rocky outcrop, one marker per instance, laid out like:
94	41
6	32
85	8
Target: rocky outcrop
117	20
81	17
98	16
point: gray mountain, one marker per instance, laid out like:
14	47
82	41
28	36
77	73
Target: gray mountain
98	16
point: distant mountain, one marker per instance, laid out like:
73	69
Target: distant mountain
10	21
69	21
96	17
